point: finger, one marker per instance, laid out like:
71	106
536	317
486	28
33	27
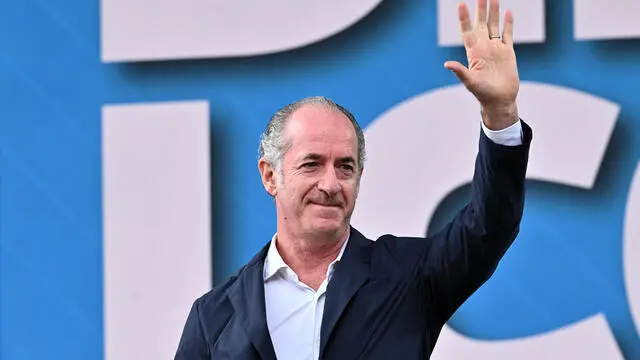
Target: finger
465	25
463	16
507	31
481	16
459	70
494	18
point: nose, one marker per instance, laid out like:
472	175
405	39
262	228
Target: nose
329	183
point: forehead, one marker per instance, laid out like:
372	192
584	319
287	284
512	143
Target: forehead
319	126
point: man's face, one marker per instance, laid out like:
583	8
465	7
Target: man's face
320	173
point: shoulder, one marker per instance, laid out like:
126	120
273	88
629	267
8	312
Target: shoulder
214	309
212	300
396	251
216	299
402	248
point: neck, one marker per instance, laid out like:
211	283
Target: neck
309	256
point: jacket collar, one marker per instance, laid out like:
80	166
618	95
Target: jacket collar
247	294
247	298
273	262
349	276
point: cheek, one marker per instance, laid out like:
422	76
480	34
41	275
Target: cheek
350	191
297	189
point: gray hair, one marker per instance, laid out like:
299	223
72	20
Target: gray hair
273	144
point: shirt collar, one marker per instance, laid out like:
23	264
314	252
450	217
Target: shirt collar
274	263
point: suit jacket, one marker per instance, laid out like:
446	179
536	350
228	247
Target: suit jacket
389	298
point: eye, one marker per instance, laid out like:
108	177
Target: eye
346	167
309	165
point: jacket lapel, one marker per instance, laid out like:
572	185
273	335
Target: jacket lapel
247	298
349	276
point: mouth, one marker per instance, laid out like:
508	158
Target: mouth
326	205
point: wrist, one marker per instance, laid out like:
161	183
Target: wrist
498	117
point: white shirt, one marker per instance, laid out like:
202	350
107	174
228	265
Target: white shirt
294	310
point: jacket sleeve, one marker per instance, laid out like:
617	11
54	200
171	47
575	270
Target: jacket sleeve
193	345
463	255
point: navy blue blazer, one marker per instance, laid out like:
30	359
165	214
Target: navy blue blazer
388	299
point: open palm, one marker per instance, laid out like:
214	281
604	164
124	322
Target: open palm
492	72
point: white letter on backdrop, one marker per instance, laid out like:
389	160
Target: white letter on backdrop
631	249
136	30
529	15
611	19
156	223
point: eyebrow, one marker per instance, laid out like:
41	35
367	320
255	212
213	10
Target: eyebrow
316	157
347	159
311	156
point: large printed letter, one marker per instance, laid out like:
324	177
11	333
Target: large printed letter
136	30
530	24
157	242
611	19
632	249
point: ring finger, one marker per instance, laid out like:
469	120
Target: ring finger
493	22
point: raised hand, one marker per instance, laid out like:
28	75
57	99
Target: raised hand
492	72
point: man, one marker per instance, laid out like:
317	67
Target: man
320	289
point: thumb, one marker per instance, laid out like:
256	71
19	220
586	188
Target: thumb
460	70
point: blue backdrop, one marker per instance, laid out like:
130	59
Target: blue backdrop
566	265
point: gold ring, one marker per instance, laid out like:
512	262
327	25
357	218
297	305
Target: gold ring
494	36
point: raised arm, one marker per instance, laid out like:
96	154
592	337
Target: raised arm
465	254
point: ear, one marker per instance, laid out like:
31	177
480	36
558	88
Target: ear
268	175
358	182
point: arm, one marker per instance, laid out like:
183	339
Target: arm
192	343
466	252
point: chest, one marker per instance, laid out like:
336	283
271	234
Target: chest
386	319
294	313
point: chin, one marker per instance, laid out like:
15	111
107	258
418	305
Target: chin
327	227
325	220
